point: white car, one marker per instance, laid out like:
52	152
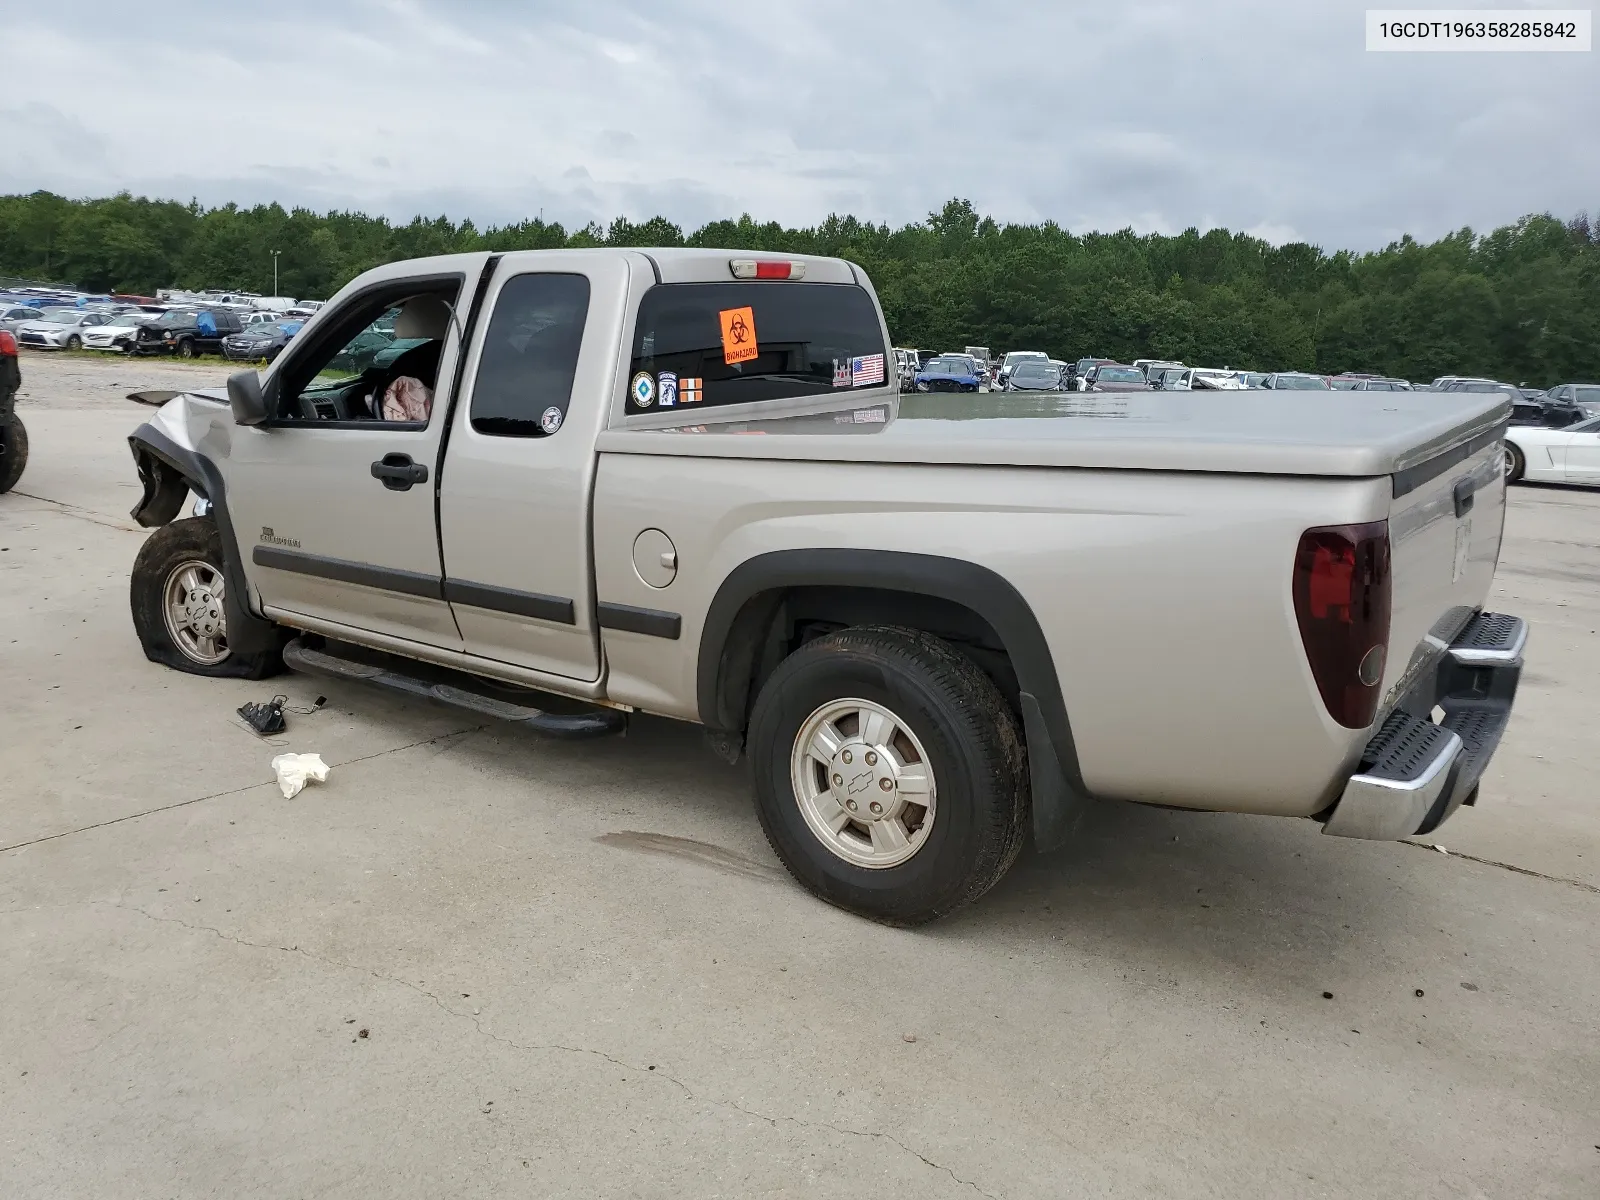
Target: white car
1570	455
1205	379
116	332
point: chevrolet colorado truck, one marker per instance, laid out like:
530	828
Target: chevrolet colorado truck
684	482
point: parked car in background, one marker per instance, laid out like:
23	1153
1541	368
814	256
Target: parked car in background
260	341
1349	381
1552	414
59	328
1147	365
1030	375
1160	378
906	366
1380	385
1567	455
13	315
1115	377
117	333
187	332
948	373
1201	379
1295	381
1253	379
1012	358
1585	395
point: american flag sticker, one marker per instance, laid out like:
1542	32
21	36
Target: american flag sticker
866	370
690	389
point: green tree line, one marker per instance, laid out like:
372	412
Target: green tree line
1521	303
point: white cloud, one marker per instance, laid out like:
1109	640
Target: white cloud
1253	114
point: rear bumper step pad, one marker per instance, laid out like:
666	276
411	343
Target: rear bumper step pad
1414	773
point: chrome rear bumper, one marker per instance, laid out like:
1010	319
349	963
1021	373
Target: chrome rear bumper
1414	773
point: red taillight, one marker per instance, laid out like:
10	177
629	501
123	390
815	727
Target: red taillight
8	344
1342	595
766	268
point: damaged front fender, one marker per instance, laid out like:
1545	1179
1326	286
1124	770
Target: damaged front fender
170	467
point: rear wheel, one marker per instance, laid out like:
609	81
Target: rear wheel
1515	464
889	774
178	594
13	451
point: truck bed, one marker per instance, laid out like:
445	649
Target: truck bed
1348	434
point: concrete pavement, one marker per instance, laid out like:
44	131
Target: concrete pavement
477	964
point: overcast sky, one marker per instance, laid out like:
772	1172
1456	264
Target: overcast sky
1262	116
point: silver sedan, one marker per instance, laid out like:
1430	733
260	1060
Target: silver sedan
59	328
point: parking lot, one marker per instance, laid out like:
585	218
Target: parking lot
473	963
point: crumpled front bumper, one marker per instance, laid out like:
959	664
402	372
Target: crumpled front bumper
1415	773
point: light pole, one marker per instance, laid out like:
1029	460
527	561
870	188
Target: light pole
275	254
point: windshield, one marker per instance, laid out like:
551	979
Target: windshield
1118	375
62	316
1017	356
1592	425
944	365
1036	372
169	319
1301	383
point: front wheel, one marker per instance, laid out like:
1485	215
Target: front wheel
13	451
74	342
186	349
1515	463
178	595
890	778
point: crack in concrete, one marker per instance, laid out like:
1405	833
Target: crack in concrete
50	837
1505	866
85	514
532	1047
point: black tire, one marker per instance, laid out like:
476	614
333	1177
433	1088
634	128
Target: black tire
1516	464
185	348
192	540
973	748
13	451
74	342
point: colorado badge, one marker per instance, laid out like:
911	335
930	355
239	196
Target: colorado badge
643	390
667	385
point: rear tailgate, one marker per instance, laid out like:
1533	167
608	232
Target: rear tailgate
1445	522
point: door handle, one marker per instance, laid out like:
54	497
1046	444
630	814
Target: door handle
398	472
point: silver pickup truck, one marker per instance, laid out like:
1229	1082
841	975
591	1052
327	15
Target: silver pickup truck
558	487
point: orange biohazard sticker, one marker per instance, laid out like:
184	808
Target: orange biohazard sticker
738	334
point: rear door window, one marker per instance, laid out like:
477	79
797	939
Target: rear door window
530	355
715	344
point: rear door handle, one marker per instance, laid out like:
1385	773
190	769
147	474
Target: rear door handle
398	472
1462	494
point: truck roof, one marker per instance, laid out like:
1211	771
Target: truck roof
671	264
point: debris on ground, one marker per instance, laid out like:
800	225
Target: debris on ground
265	718
293	770
268	718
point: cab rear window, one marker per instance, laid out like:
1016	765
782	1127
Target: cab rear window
712	344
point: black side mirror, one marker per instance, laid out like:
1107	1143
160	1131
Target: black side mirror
245	398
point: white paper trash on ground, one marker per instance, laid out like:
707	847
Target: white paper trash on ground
293	770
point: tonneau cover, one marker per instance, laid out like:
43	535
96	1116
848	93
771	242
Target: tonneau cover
1250	432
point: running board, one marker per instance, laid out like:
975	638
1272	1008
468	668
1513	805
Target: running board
340	660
